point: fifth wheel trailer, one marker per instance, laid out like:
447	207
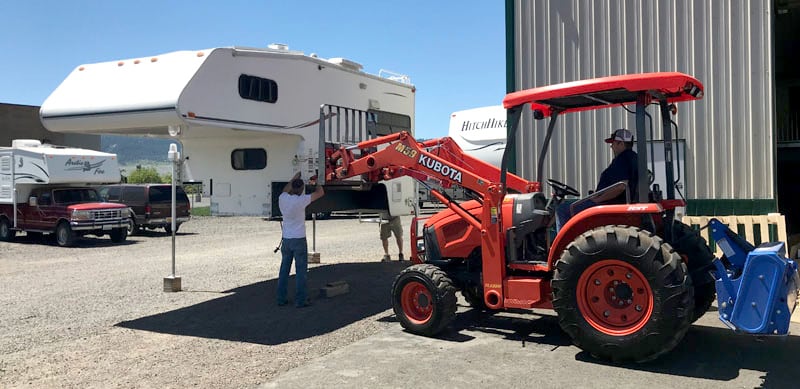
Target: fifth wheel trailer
247	119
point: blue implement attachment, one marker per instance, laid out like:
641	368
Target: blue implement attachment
756	287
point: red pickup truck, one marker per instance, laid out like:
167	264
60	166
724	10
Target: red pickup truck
66	211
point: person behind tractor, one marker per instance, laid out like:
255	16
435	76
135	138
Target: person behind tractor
292	204
391	225
624	167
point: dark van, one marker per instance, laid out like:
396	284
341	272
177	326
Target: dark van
150	204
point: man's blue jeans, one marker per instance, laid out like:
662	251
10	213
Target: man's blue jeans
297	249
563	212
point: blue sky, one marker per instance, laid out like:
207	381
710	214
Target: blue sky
454	51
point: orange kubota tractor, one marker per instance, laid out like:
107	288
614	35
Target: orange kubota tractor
626	280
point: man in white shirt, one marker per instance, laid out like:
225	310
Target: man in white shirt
292	204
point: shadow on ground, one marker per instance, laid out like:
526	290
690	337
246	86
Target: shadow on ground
707	352
719	354
82	242
250	314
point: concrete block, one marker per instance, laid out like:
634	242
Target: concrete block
313	257
334	289
172	284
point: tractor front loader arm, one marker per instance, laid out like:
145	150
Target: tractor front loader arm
441	159
404	156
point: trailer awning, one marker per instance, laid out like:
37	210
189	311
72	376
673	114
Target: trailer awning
604	92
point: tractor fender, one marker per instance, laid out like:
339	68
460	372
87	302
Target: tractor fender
600	215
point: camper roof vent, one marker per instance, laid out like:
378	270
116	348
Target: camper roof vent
278	46
402	78
17	143
346	63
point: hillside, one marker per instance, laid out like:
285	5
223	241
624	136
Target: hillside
131	149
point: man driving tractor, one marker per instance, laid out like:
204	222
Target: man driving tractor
623	168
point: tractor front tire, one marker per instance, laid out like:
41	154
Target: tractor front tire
424	299
699	261
622	294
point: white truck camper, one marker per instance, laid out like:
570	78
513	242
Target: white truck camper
46	189
247	119
480	132
28	163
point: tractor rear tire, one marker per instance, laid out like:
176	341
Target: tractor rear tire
699	260
622	294
474	296
424	299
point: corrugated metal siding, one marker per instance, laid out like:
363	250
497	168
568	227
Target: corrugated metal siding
724	44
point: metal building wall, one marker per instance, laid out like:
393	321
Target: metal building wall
725	44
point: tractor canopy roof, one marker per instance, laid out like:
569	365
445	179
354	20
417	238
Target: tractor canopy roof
607	92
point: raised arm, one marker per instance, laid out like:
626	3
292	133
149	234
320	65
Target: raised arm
318	192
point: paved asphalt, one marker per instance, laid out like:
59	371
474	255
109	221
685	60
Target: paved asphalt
523	349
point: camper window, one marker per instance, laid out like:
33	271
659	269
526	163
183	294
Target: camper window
110	193
249	159
74	196
386	123
257	88
44	198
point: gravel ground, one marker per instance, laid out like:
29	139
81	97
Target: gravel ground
96	315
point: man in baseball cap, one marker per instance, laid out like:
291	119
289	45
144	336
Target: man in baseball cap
621	135
624	167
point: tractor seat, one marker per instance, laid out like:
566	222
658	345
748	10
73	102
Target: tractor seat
580	205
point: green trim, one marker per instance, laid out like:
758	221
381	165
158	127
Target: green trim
774	98
725	207
510	43
510	69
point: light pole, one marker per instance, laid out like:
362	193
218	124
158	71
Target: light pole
172	283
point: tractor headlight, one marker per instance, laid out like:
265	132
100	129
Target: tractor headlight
81	215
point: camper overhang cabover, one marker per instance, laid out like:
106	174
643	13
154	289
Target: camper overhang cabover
152	95
224	104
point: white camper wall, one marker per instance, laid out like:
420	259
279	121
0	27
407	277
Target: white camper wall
304	84
241	192
6	177
480	132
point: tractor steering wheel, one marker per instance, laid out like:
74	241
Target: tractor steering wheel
562	190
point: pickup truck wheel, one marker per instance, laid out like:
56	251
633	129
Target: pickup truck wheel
133	228
168	228
64	235
118	235
622	294
6	233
